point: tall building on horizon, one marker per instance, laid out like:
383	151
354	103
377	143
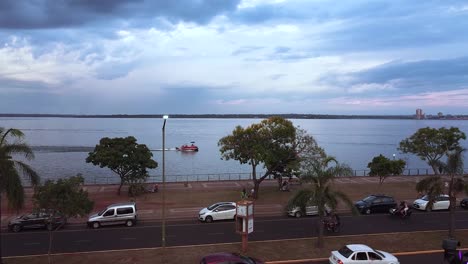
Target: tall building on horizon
419	113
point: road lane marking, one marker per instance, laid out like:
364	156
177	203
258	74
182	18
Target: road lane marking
149	211
32	243
82	241
217	234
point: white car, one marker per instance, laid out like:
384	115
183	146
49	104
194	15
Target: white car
361	254
218	211
442	202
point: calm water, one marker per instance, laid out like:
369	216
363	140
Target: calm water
61	145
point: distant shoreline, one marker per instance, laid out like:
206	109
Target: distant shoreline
289	116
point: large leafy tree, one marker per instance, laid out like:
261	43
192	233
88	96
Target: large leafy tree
435	185
125	157
65	196
11	170
382	167
431	144
320	172
274	143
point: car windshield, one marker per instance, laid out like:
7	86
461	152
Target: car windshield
211	207
247	260
379	253
425	197
345	251
368	199
100	213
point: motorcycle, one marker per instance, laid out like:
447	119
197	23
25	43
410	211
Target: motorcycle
399	212
331	226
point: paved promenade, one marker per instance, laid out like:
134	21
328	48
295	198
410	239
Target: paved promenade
149	205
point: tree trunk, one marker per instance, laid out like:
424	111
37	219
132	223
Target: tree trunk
320	232
1	261
120	187
256	189
453	201
280	182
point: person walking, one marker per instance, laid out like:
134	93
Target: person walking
243	194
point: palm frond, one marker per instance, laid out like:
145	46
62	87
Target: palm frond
10	132
21	149
13	188
33	177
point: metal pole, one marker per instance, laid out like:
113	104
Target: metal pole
163	234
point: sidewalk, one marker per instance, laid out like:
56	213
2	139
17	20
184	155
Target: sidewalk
184	200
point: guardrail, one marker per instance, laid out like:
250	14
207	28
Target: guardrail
234	176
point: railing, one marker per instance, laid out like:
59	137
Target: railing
235	176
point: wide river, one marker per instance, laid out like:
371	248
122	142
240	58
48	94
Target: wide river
61	145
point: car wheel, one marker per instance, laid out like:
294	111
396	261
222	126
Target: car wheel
16	228
129	223
367	211
298	214
208	219
96	225
50	227
234	217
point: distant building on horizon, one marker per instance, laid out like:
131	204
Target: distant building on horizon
419	113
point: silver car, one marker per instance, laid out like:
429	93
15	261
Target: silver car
218	211
309	210
121	213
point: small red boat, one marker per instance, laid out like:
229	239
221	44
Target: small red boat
187	147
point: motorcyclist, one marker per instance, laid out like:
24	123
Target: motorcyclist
403	209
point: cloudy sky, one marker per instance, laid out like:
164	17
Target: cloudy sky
233	56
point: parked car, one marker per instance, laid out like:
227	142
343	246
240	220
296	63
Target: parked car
464	203
221	258
375	203
218	211
442	202
359	253
310	209
48	219
114	214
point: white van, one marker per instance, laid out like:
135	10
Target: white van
115	214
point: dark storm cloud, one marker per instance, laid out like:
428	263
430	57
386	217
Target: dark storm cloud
414	77
35	14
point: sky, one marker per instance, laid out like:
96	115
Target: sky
233	57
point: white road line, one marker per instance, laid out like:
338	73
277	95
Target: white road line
82	241
149	211
217	234
32	243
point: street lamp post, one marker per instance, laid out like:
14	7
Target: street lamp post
163	234
394	155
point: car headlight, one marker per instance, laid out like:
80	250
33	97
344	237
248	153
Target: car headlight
203	213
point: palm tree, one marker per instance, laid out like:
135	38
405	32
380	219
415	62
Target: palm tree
320	175
10	169
435	185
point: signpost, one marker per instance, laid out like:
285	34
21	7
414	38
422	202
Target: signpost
244	221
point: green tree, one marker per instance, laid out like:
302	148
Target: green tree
435	185
274	143
11	146
65	196
125	157
382	167
431	144
320	173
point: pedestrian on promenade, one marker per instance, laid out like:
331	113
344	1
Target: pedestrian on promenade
243	194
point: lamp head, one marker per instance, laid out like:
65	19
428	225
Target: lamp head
165	116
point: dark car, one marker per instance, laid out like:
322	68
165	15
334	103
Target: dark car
376	203
219	258
41	219
464	203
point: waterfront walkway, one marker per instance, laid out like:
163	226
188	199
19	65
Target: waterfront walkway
184	200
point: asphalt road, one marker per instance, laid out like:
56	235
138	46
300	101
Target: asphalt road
147	234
